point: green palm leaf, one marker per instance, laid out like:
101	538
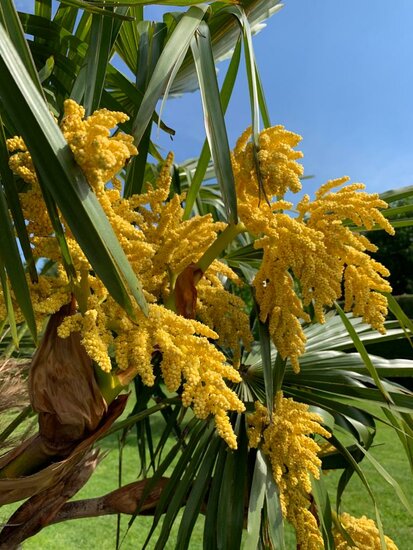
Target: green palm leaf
166	68
214	118
65	181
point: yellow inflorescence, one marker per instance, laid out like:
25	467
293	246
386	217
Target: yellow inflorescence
49	294
306	258
293	453
187	357
159	244
100	155
363	532
363	276
176	243
279	172
39	226
223	311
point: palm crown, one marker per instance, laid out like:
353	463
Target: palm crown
201	285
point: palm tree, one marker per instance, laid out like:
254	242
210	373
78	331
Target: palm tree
197	285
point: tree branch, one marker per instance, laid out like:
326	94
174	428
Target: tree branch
124	500
40	510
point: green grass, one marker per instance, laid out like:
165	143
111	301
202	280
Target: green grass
101	532
397	523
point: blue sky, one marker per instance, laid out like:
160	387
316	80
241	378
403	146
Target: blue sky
338	73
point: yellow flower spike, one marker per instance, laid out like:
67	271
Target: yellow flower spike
34	209
95	337
134	351
22	165
71	323
306	259
293	454
99	154
279	172
188	359
223	311
49	294
364	533
176	243
350	202
363	276
157	241
297	249
16	143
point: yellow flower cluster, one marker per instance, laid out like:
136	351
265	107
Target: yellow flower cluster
156	240
176	243
100	155
39	226
306	258
188	358
159	245
294	252
269	172
48	295
364	533
363	276
287	440
223	311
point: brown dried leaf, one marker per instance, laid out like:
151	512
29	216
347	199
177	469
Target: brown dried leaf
63	389
185	291
15	489
50	506
41	509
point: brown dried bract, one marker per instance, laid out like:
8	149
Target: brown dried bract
185	291
63	389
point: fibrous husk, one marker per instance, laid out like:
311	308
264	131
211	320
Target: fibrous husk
13	387
19	488
63	389
41	509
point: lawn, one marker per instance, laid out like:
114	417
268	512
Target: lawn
101	532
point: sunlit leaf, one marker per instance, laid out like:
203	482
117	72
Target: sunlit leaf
358	344
214	118
65	180
204	157
170	58
229	526
10	260
94	8
12	26
322	501
256	503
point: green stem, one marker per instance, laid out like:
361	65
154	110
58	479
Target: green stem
82	291
219	245
109	384
169	303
